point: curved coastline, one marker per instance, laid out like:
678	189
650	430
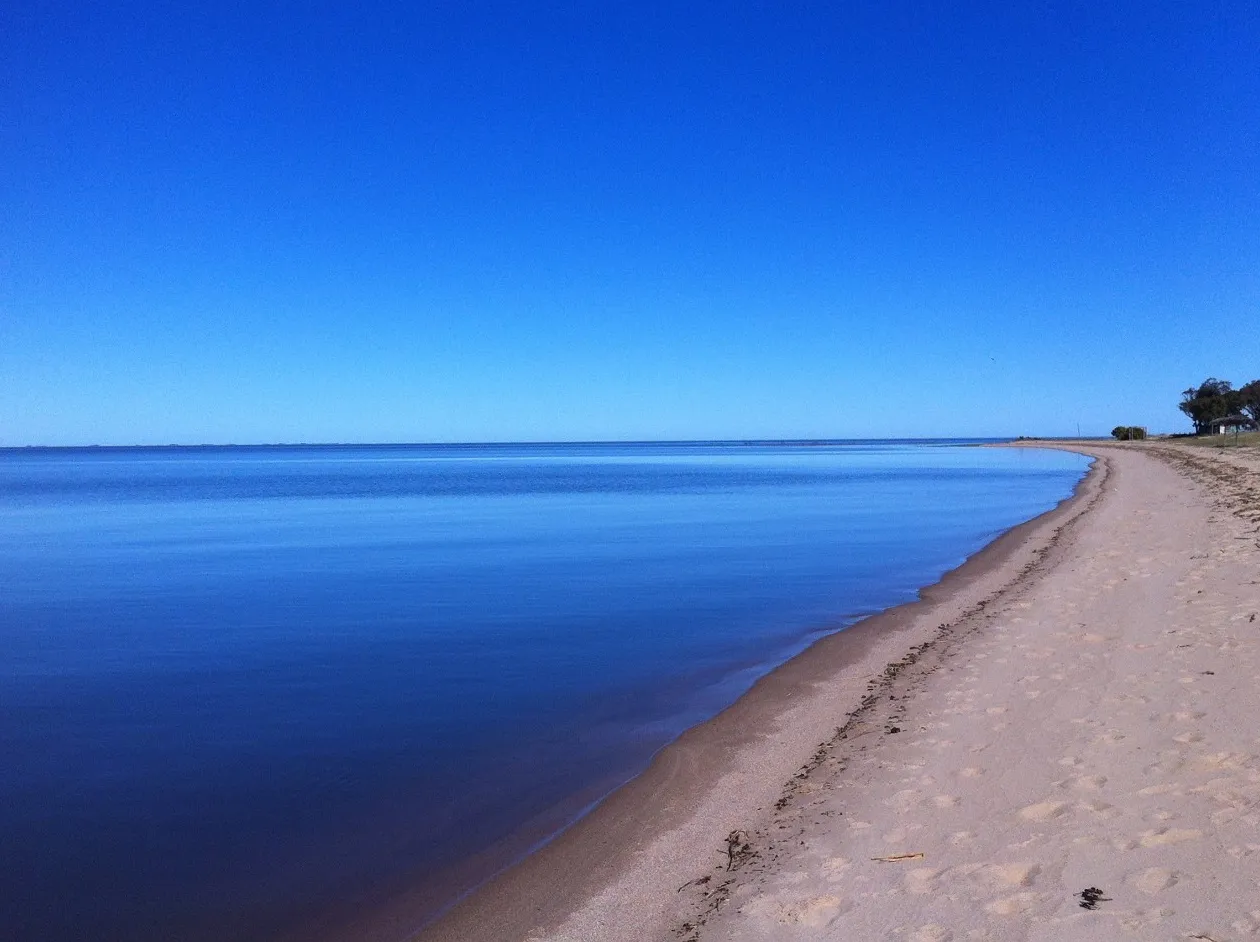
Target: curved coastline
638	838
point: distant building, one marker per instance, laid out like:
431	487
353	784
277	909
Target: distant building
1231	423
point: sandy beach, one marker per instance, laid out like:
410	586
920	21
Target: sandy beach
1057	742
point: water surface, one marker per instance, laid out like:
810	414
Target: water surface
238	685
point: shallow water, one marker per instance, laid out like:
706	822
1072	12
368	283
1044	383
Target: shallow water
238	684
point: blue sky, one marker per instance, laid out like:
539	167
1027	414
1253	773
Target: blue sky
271	222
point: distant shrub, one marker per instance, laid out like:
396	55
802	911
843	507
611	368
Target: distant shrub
1128	433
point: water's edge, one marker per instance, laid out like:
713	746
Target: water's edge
534	845
300	747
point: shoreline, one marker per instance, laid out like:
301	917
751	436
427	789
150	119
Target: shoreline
1080	763
640	840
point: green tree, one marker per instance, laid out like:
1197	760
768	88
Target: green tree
1128	433
1249	400
1213	399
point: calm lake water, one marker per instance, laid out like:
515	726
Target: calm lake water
241	685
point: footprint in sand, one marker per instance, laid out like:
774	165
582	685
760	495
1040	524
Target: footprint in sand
903	799
1088	783
813	913
1100	808
1009	876
833	866
1013	905
818	912
1109	738
922	880
1248	925
1222	760
1186	716
1153	880
1043	811
1169	836
1145	919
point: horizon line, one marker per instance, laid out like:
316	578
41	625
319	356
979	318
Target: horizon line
542	442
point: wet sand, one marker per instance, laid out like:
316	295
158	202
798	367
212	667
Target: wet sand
1047	715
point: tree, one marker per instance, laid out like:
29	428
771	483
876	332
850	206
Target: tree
1249	400
1213	399
1128	433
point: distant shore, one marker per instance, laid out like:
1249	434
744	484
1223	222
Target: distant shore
617	873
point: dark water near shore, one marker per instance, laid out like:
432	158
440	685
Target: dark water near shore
237	685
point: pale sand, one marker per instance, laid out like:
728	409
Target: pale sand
1077	707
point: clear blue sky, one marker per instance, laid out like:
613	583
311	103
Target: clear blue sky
257	222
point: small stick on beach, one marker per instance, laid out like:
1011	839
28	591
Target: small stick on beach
895	857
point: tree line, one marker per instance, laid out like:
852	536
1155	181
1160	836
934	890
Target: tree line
1218	399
